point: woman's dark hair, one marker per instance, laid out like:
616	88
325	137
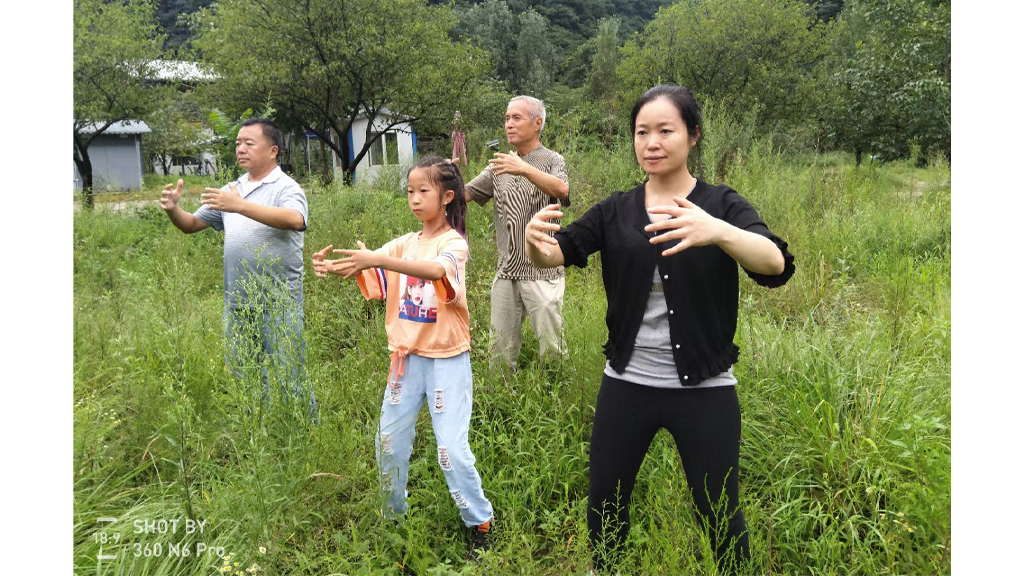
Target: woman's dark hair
446	175
683	99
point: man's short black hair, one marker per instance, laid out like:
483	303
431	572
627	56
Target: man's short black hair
269	130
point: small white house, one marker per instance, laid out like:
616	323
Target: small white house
394	150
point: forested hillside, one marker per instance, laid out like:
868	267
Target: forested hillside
168	12
577	18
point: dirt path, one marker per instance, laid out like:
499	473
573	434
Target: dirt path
120	205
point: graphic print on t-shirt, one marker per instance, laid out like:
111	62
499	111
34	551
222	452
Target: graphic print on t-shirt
418	301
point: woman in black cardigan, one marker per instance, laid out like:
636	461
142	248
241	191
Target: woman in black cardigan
669	249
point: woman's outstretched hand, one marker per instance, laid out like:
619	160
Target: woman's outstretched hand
539	226
687	223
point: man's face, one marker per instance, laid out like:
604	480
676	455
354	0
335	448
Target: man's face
254	150
518	127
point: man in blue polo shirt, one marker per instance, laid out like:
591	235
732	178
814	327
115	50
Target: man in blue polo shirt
263	215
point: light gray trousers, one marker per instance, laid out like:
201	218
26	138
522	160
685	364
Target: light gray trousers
511	302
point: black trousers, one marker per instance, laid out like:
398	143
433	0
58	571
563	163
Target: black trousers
705	424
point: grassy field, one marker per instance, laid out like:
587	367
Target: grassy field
844	387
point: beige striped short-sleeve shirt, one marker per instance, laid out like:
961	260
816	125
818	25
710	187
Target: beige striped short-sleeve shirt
516	200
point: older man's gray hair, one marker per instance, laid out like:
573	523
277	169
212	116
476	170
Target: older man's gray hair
535	107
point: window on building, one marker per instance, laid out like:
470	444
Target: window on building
384	150
391	148
376	150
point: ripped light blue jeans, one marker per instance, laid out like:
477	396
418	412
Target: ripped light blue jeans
446	384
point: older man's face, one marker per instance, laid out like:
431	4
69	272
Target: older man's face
518	127
254	150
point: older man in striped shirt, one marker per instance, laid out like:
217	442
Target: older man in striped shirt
521	184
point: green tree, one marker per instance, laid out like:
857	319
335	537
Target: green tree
115	43
520	47
177	130
324	63
602	81
888	78
493	27
534	55
741	54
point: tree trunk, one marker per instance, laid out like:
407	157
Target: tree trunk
84	165
327	176
859	153
348	168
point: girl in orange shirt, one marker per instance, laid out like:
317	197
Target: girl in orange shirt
421	276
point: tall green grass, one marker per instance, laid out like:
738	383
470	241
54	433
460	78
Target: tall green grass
844	387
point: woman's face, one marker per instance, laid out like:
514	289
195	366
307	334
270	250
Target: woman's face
416	291
661	141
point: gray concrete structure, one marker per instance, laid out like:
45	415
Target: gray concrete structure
116	157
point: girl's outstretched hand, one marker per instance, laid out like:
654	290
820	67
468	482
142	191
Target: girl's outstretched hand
688	223
319	264
537	228
357	261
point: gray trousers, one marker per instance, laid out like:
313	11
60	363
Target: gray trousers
511	302
269	346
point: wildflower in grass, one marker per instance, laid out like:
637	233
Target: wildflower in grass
900	514
263	550
869	489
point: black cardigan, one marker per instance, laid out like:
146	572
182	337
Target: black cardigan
701	283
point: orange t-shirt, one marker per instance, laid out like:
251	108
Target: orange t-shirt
425	317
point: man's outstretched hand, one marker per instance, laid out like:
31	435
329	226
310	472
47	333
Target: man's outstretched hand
229	200
170	196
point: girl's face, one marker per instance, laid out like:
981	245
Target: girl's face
425	199
661	141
